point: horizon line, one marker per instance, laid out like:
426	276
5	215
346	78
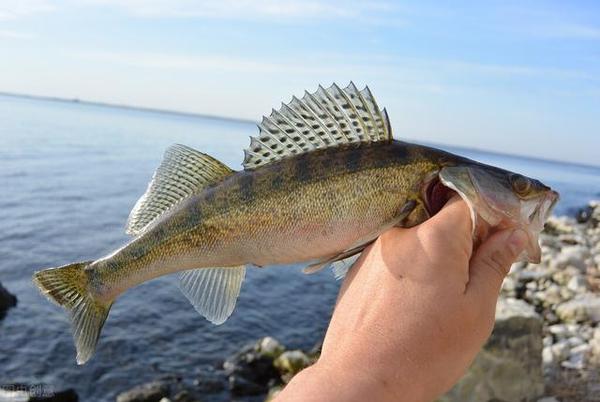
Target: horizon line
146	109
124	106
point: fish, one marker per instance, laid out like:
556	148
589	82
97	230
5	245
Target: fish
321	181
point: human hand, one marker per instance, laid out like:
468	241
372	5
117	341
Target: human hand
412	313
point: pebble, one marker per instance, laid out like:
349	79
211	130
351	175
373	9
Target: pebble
585	307
578	357
560	350
575	341
595	342
548	358
559	330
552	295
571	256
577	284
583	348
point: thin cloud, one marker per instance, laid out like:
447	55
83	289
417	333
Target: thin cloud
248	9
571	31
201	63
5	34
560	22
514	70
10	10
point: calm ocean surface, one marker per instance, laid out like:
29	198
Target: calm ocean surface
70	173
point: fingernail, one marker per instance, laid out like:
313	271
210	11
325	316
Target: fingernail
517	241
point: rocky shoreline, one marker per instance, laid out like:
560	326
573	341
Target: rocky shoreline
564	291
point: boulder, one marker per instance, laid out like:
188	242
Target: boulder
68	395
209	383
169	387
291	363
239	386
250	372
273	392
7	300
509	367
584	214
270	347
150	392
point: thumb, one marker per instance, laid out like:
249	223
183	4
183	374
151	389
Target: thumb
493	260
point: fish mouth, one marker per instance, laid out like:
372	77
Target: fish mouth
436	195
534	215
549	203
542	207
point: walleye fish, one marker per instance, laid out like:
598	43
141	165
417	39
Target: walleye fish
322	180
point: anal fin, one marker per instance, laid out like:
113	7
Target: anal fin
213	291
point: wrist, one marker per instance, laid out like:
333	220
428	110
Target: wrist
324	381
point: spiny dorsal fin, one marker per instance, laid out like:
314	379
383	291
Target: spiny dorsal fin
213	291
183	172
326	118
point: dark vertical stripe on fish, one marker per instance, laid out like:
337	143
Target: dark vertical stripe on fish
137	252
353	158
302	168
247	187
277	183
195	214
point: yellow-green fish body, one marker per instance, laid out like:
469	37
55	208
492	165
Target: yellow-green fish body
303	208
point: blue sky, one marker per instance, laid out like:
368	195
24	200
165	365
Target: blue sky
520	77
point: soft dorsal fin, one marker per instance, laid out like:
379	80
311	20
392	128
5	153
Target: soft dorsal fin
183	172
326	118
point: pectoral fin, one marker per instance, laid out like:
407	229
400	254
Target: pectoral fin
311	269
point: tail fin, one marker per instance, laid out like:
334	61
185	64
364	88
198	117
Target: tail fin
67	286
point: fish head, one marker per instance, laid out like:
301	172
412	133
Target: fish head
500	199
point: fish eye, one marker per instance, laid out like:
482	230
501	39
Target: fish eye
520	184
